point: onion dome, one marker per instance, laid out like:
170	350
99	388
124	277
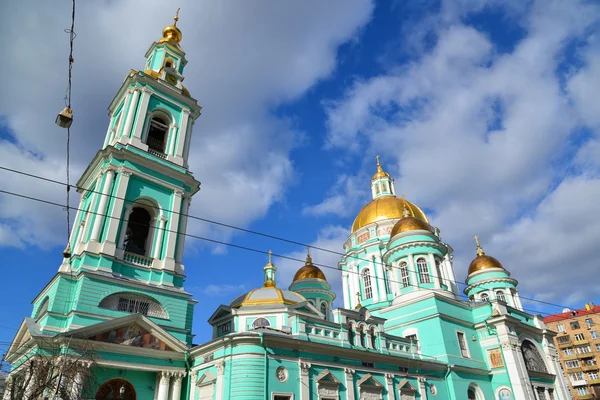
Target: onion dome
483	261
171	33
309	271
386	207
380	172
409	223
267	296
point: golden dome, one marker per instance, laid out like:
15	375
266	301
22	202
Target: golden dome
410	224
380	172
383	208
171	33
309	271
267	296
483	261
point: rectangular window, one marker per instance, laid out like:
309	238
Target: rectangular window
584	349
590	362
594	334
576	376
579	336
404	275
563	339
575	325
560	328
589	322
462	343
569	352
572	364
593	375
597	346
582	390
224	328
282	397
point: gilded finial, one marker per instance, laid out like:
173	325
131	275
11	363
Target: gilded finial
479	249
176	18
406	210
377	158
308	257
358	305
270	256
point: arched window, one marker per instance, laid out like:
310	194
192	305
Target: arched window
485	297
116	389
373	338
135	304
474	393
532	357
324	309
404	274
377	190
500	296
157	133
423	271
260	323
385	186
138	228
367	284
471	395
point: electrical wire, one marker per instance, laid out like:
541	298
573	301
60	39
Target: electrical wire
215	241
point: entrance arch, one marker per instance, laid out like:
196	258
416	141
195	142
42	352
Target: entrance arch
116	389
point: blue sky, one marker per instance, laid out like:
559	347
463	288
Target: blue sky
484	111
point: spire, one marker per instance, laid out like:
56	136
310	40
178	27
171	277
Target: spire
269	271
479	249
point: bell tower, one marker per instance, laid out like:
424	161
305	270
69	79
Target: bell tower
129	232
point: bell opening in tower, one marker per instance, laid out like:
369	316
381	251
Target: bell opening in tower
157	134
138	229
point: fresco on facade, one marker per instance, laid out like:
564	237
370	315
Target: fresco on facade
495	356
132	335
505	394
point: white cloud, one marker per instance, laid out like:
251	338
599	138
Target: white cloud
244	59
480	136
338	202
221	290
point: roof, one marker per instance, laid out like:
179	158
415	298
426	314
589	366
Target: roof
572	314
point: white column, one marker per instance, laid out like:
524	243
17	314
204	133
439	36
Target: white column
183	133
304	380
120	243
173	230
163	386
422	388
123	117
159	237
173	132
176	387
101	210
188	142
345	288
349	373
450	273
516	371
185	209
412	270
356	284
220	373
132	109
110	244
194	379
434	271
389	385
136	139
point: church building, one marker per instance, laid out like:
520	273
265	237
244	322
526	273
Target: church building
404	332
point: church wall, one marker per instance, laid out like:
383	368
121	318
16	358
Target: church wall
144	382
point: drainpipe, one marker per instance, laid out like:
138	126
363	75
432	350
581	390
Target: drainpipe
262	343
187	364
446	379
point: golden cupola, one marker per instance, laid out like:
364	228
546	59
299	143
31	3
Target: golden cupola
409	223
385	205
482	261
171	33
309	271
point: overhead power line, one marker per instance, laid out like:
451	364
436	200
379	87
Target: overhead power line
246	248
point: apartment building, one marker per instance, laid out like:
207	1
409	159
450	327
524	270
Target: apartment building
578	345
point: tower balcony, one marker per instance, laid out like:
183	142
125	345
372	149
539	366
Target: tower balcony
137	259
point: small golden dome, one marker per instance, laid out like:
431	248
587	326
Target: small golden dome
483	261
380	172
309	271
410	224
383	208
171	33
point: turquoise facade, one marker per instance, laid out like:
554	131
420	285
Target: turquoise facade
404	331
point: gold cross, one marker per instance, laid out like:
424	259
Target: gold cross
377	158
176	17
270	255
308	251
477	240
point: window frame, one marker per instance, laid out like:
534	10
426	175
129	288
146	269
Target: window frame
404	275
466	344
260	326
423	269
367	284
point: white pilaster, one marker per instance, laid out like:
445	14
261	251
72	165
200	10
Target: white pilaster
380	269
188	142
101	211
516	369
136	138
220	373
183	133
123	117
173	230
450	273
561	391
374	286
176	387
345	289
349	374
389	385
412	270
434	271
185	209
194	379
159	237
163	386
422	388
304	380
120	242
110	244
132	110
173	132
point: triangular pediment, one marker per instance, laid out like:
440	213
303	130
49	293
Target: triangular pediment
327	378
406	386
221	312
133	330
368	382
206	379
28	329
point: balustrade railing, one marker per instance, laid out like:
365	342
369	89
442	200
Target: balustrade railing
137	259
